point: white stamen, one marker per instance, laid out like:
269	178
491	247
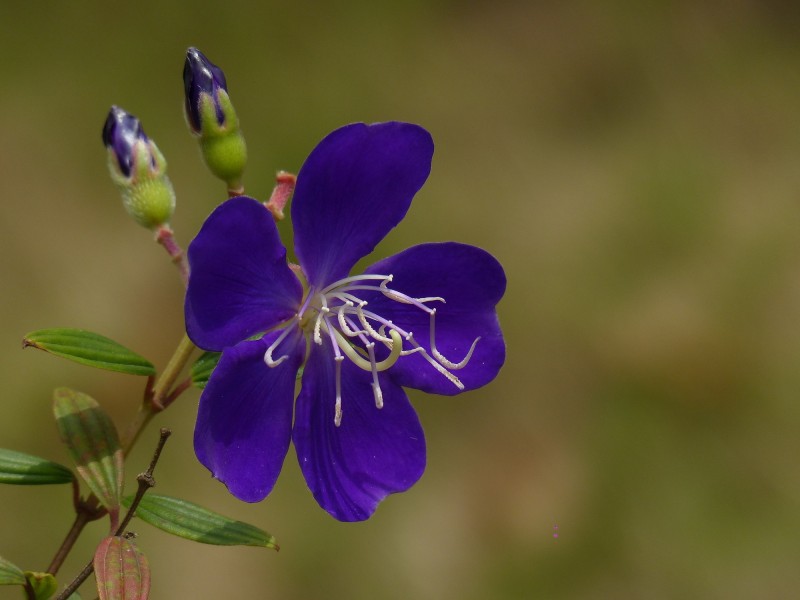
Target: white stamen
343	322
376	386
268	354
322	312
362	316
337	417
353	331
440	357
343	282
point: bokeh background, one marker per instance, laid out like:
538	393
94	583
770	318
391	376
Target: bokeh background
634	165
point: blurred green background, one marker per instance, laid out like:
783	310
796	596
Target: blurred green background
634	165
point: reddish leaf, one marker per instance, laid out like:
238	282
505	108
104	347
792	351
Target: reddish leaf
121	570
93	443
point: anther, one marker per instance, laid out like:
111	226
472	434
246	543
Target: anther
337	417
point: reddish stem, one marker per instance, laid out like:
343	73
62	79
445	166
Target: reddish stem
166	238
283	190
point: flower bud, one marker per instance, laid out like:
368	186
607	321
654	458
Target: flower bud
211	116
139	169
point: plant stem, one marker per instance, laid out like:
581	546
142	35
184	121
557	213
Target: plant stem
87	511
155	396
146	481
166	237
84	515
172	371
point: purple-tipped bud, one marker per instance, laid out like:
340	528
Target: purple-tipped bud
121	131
201	76
137	166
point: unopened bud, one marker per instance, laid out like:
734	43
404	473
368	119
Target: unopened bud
139	169
211	117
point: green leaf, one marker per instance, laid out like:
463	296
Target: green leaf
90	349
203	367
193	522
121	570
44	585
10	574
93	444
25	469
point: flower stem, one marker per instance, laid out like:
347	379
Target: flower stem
172	371
158	395
166	237
283	190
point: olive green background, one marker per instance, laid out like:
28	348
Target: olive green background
634	165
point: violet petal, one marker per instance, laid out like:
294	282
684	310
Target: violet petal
472	282
240	282
244	421
354	187
373	453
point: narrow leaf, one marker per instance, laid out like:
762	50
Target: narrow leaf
90	349
193	522
10	574
25	469
44	585
93	444
203	367
122	571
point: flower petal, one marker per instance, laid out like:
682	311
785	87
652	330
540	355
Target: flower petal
373	453
240	283
472	282
354	187
244	421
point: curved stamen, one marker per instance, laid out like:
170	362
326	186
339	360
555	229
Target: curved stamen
320	315
362	317
345	297
440	357
343	322
388	362
268	354
403	298
343	316
343	282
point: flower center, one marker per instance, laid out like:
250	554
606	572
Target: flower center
338	316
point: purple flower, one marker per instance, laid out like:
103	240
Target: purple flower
424	318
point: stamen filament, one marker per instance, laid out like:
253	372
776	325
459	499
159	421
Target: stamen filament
322	312
337	411
440	357
388	362
343	282
376	386
268	354
343	323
